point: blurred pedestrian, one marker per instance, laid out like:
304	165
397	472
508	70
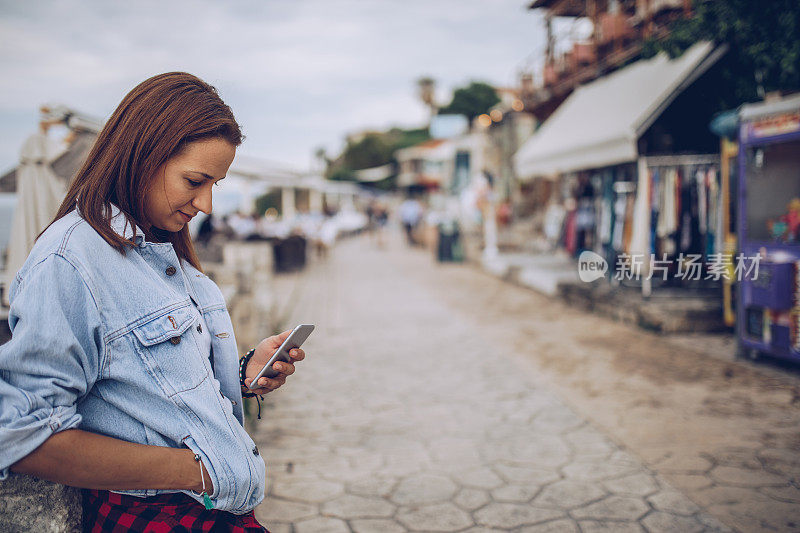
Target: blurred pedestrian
381	221
122	375
410	216
254	225
206	230
370	211
326	237
243	226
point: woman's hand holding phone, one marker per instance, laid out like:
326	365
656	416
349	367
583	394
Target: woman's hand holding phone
262	355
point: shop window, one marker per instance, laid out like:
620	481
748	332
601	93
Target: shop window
773	193
461	171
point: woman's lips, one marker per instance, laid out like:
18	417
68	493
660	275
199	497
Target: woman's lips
186	217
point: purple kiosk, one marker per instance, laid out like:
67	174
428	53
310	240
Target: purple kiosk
768	315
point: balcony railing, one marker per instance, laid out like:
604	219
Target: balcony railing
617	39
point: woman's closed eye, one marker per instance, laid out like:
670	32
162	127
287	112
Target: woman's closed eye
194	183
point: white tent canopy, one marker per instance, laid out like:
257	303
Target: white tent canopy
39	195
599	124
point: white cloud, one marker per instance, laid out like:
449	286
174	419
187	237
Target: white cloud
299	74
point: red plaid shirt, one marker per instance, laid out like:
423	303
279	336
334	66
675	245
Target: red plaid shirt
105	511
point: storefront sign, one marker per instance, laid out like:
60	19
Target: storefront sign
774	125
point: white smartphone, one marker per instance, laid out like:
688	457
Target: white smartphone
295	339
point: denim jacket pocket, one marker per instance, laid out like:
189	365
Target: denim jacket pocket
171	355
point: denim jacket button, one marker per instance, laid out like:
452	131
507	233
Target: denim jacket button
199	328
233	402
171	271
255	450
175	340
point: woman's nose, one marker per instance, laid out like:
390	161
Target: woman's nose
202	201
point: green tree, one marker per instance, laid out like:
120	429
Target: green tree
268	200
373	150
340	173
763	40
473	100
400	138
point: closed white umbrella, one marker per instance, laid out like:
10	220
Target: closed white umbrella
39	194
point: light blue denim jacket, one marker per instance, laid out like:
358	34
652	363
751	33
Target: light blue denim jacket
109	343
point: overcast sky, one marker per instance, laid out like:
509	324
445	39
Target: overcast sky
298	74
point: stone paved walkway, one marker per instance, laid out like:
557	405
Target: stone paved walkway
404	419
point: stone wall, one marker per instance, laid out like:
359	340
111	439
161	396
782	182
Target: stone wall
31	504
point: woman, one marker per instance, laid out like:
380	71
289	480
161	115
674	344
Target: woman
122	375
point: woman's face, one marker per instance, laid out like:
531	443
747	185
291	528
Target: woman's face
182	185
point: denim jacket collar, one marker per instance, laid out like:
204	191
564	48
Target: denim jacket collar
125	227
121	224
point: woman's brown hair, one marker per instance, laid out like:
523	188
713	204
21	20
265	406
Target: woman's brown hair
153	123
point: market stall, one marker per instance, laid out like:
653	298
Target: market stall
769	229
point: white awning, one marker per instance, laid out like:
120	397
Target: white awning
599	124
375	173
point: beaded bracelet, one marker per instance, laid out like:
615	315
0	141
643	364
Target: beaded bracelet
242	369
246	393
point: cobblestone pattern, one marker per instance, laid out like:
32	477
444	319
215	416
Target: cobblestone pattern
724	431
748	486
403	419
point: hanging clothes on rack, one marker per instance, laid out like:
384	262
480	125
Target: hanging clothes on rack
570	234
691	238
686	207
702	201
667	223
620	206
655	208
715	212
607	219
678	200
605	227
627	232
585	217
